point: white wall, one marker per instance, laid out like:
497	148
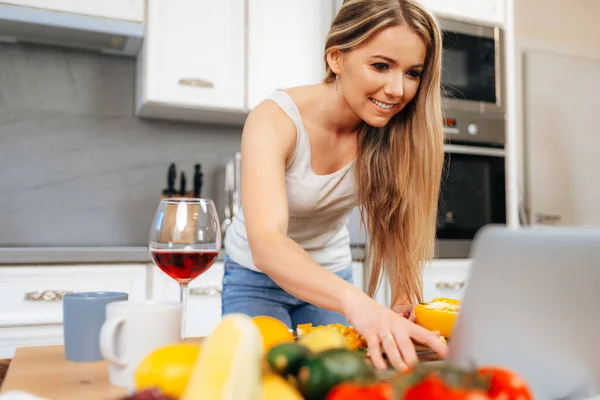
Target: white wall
564	23
567	27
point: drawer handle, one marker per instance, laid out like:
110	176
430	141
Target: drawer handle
206	291
46	295
450	285
196	82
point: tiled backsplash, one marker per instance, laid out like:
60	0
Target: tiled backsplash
77	168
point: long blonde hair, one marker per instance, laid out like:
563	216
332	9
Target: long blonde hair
398	167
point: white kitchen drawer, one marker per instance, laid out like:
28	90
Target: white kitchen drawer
204	302
446	278
17	282
11	338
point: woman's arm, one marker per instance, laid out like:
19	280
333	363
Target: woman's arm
268	141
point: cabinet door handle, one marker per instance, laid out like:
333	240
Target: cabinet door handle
46	295
196	82
450	285
206	291
542	218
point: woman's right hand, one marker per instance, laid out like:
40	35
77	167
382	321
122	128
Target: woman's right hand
386	331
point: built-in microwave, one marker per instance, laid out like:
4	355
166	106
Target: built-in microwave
473	73
473	83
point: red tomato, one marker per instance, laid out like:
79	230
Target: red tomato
506	385
351	391
433	387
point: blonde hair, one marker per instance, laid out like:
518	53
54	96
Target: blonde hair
399	166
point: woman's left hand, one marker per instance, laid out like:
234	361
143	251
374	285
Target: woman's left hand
406	310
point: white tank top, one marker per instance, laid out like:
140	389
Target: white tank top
319	205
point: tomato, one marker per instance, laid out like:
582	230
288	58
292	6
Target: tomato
433	387
352	391
505	384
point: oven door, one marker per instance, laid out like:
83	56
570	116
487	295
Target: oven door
472	73
472	195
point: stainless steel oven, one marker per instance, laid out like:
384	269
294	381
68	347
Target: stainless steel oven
472	195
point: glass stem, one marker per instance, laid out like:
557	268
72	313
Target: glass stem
184	299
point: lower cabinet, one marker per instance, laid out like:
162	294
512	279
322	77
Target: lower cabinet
22	336
441	278
31	298
446	278
31	306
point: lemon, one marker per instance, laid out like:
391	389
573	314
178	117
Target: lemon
274	387
273	331
323	338
167	368
229	367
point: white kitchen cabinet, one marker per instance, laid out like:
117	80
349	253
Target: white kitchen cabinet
192	64
26	336
446	278
286	41
125	10
487	11
30	298
31	295
358	275
204	299
441	278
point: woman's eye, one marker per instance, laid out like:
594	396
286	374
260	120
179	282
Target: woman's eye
381	66
414	73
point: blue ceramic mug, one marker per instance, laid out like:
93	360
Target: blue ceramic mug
83	316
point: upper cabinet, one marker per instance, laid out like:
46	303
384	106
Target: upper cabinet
126	10
213	61
192	64
486	11
286	41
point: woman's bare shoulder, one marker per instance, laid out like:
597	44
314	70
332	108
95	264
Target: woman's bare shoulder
268	122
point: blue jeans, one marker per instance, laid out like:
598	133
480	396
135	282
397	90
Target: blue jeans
254	293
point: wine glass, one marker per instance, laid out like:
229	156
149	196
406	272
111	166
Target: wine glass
185	239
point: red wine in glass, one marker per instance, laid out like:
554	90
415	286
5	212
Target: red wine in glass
185	239
184	265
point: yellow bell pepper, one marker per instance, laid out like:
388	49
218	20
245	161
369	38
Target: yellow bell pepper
438	315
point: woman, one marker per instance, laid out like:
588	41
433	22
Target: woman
370	134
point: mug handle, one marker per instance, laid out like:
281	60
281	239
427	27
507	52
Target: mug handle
107	341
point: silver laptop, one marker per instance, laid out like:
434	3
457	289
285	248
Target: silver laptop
532	304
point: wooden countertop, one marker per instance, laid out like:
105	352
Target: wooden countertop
43	371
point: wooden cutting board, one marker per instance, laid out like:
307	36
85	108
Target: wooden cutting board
43	371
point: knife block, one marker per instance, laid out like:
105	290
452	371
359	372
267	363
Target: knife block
188	195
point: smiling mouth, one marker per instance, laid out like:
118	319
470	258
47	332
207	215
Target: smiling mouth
380	104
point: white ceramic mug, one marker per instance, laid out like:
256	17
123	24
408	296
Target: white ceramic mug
132	331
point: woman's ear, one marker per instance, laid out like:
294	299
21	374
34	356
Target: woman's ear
334	59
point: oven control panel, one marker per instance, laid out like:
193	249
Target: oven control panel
475	128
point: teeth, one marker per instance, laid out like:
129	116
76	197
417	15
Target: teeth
383	105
